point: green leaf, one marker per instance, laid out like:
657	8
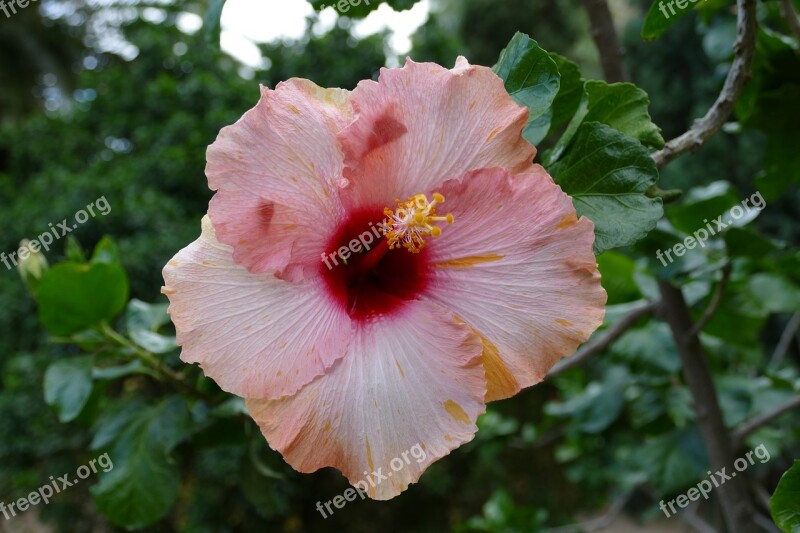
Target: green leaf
144	316
624	107
73	297
598	405
153	342
68	386
570	91
73	250
607	175
785	502
775	293
617	274
674	460
115	372
144	482
212	22
143	321
360	8
701	205
663	14
106	252
531	78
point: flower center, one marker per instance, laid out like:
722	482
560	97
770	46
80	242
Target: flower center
358	270
412	221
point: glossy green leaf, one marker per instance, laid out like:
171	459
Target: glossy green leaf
607	174
624	107
531	78
73	297
144	483
785	502
68	386
570	91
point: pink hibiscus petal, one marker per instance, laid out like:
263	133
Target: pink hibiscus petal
277	173
255	335
416	379
518	267
423	124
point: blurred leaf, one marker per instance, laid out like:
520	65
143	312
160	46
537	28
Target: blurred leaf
115	372
73	250
106	252
674	460
607	174
617	274
701	205
361	8
68	386
662	16
144	316
153	342
785	502
776	293
73	297
144	483
599	405
212	23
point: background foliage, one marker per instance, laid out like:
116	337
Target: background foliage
80	119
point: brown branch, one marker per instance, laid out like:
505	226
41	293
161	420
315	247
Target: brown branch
738	76
612	53
607	339
716	300
751	425
789	13
737	505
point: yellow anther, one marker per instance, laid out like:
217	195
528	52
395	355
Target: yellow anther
412	221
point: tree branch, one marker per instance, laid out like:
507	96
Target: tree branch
716	300
738	76
751	425
737	505
789	13
612	53
785	341
609	337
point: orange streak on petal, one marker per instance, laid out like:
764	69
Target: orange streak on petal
469	262
567	221
500	382
457	412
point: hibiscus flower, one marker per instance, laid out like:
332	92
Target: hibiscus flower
351	351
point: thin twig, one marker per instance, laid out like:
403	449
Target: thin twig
153	362
785	341
753	424
609	337
716	300
596	524
790	14
612	53
738	76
